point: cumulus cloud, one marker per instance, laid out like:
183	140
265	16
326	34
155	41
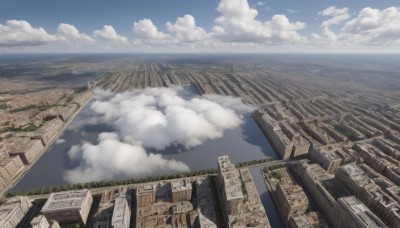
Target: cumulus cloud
185	30
108	34
20	33
238	23
373	27
337	15
111	157
146	32
153	118
159	117
69	32
369	27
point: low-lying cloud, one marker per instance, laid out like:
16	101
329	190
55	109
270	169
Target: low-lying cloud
153	118
111	157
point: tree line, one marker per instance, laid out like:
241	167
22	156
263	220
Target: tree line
110	183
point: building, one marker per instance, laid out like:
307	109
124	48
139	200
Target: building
300	146
327	158
181	190
358	214
323	189
81	98
122	210
273	132
41	222
64	113
13	211
145	195
104	215
10	167
230	185
307	220
48	131
363	187
28	151
68	206
290	196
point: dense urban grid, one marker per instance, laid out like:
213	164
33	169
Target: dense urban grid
335	130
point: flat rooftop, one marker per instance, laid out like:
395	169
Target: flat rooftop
65	200
145	188
180	185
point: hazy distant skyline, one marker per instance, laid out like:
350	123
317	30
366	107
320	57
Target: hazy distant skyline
199	26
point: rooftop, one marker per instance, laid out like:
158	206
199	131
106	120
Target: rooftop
351	169
66	200
143	188
180	185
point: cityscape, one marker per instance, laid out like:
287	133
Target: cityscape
238	123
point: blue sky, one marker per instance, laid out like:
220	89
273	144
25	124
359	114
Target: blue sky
88	16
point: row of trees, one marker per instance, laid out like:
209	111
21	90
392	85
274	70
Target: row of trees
253	162
98	184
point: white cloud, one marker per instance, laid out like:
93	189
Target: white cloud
111	158
285	31
185	30
369	27
373	27
150	118
60	141
147	32
21	33
158	118
337	15
108	34
238	23
68	32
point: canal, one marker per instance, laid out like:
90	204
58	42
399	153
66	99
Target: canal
266	199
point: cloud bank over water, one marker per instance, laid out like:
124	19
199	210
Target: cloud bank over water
150	118
112	157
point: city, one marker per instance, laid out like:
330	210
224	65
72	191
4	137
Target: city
199	114
342	145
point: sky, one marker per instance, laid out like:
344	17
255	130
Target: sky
199	26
